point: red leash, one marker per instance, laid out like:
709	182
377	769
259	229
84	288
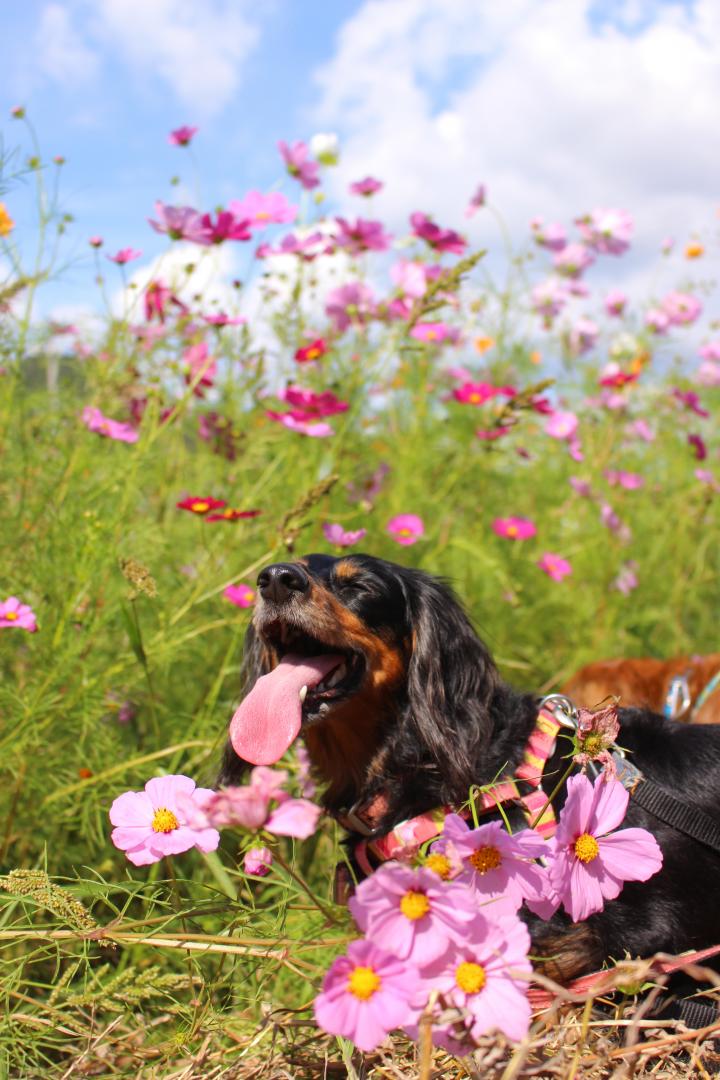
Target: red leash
542	999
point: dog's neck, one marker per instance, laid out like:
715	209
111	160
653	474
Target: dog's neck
358	767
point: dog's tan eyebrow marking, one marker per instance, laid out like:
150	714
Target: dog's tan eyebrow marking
346	569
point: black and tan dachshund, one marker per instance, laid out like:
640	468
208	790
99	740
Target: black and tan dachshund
413	711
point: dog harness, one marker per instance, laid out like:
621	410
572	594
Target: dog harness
408	836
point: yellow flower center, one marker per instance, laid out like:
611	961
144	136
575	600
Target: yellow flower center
439	864
262	215
512	530
586	848
593	743
6	222
431	335
414	905
200	507
363	983
164	820
312	353
485	858
404	532
470	977
11	616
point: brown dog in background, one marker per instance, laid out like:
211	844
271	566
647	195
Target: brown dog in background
647	682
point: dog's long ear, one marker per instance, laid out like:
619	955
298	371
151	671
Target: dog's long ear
451	681
256	662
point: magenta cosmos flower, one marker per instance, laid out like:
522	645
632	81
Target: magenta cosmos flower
412	911
366	994
657	320
589	861
335	534
261	210
179	222
514	528
96	421
572	260
551	236
477	201
316	429
361	235
554	566
439	239
615	302
620	478
406	529
182	136
14	613
125	255
298	164
434	333
681	308
350	305
561	424
548	298
150	824
484	975
495	864
242	596
368	186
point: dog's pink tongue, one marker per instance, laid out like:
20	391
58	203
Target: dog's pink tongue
270	716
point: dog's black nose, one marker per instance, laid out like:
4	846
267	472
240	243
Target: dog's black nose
281	580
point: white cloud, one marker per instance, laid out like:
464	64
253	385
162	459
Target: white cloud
196	48
200	277
61	52
557	113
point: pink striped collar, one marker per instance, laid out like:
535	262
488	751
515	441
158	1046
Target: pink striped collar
408	836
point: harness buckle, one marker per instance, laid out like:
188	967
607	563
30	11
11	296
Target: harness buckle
563	709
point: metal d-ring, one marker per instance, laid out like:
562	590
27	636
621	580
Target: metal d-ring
563	709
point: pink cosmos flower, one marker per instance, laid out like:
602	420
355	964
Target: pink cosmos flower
298	164
307	247
708	374
366	994
412	911
245	806
550	236
294	817
627	579
612	521
589	860
243	596
155	299
221	318
628	480
612	375
573	260
657	320
439	239
366	490
548	298
261	210
706	477
182	136
368	186
583	336
514	528
434	333
361	235
496	865
314	351
96	421
311	404
14	613
179	222
472	393
607	231
96	241
350	305
410	277
490	434
641	430
554	566
150	824
710	351
484	975
406	529
257	861
698	444
691	401
477	200
125	255
561	425
615	302
581	487
201	367
335	534
316	429
596	733
226	226
681	308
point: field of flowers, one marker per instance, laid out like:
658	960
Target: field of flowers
493	417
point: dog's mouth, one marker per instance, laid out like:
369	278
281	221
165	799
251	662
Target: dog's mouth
312	677
337	684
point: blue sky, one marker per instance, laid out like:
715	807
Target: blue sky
558	105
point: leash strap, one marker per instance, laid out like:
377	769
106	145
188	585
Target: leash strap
686	819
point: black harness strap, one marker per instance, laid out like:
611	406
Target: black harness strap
686	819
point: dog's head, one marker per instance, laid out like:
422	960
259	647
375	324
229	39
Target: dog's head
393	663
